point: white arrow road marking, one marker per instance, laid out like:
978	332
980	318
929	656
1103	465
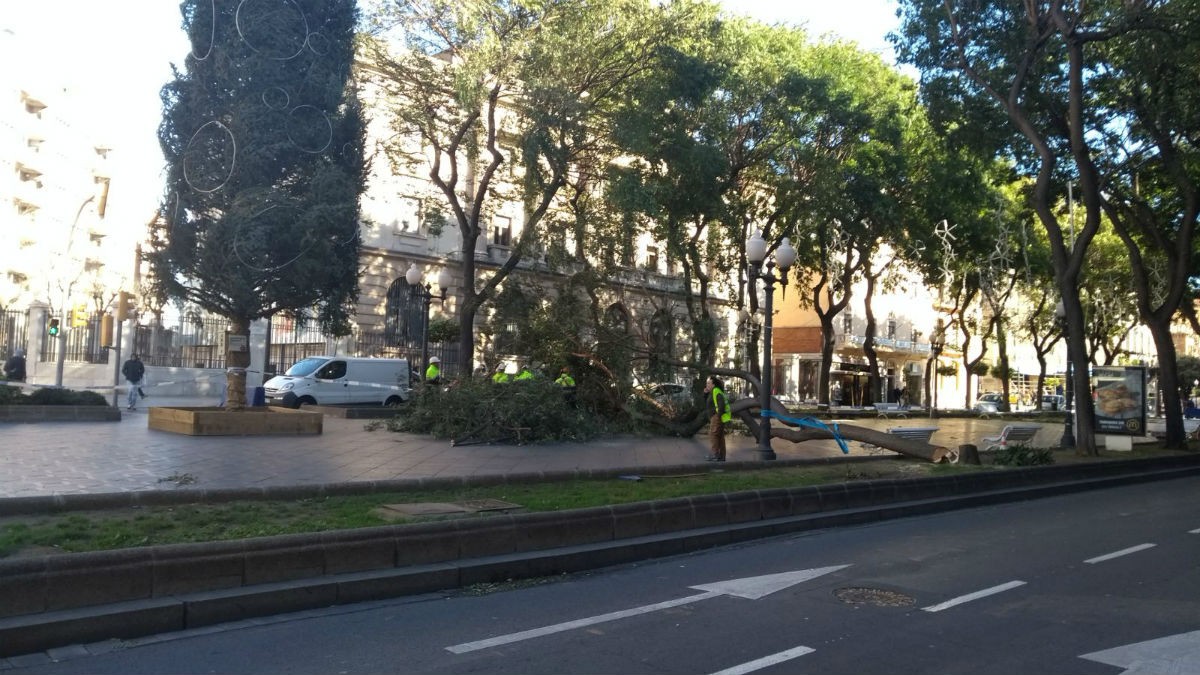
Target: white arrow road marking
1195	531
973	596
766	661
751	588
1118	554
1171	655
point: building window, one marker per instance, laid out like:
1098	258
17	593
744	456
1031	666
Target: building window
25	208
652	258
891	329
848	323
502	231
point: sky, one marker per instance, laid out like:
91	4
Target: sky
119	55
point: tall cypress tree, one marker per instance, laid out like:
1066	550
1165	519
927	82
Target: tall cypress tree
263	135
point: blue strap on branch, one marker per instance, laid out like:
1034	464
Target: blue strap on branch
810	422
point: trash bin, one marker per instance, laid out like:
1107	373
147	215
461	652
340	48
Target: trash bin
260	397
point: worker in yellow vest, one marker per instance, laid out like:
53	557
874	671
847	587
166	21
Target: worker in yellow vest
568	386
433	374
720	415
500	377
525	374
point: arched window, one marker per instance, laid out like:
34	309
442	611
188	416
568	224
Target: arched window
661	335
402	314
616	317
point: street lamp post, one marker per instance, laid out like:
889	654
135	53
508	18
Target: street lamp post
936	345
785	256
426	296
1068	437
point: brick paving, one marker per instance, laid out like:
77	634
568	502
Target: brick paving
99	457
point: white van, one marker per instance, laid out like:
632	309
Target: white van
340	380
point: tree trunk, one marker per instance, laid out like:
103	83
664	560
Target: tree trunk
236	363
1168	384
747	410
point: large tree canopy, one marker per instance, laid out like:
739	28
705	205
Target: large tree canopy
1099	94
263	138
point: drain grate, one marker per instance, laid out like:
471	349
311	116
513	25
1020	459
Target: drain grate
874	596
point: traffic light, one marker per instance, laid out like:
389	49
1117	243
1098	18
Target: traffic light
53	329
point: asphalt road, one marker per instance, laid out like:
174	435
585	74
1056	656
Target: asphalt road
1098	582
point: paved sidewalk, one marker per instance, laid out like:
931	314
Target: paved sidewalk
98	457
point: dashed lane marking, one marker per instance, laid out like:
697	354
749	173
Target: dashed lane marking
1118	554
973	596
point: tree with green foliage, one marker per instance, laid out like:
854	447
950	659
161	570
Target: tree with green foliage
1101	94
263	135
530	87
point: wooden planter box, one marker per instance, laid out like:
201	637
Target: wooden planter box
256	421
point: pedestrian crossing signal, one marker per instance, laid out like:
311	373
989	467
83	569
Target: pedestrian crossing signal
53	329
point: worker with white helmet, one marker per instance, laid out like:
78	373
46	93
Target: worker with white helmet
433	374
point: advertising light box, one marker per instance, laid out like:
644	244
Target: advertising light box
1119	394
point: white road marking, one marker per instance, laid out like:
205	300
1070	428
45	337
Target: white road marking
1195	531
1171	655
973	596
751	588
764	662
1118	554
578	623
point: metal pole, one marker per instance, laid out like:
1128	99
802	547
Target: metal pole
764	441
117	366
1068	437
426	296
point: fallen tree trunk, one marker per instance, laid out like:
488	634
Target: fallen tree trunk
747	410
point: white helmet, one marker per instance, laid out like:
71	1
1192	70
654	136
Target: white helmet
434	359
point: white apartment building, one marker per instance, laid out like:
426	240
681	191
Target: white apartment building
59	248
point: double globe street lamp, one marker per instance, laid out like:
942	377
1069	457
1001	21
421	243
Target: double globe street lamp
425	295
785	257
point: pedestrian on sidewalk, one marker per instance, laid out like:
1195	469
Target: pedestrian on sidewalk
134	371
719	415
14	367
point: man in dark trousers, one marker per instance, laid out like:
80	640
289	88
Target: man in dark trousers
134	371
14	367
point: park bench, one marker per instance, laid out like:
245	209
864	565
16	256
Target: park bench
922	434
1011	434
886	409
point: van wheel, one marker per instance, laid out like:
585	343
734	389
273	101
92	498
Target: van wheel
307	400
290	401
393	402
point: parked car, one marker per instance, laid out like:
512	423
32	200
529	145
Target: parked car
672	398
988	407
1054	402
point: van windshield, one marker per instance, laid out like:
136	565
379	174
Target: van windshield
305	367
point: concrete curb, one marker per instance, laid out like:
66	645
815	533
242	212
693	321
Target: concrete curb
66	599
26	414
18	506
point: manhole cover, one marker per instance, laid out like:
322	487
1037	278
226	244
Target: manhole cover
445	508
873	596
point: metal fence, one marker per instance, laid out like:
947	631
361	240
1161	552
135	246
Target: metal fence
196	343
200	342
291	341
84	343
12	332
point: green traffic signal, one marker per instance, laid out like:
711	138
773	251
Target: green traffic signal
53	330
